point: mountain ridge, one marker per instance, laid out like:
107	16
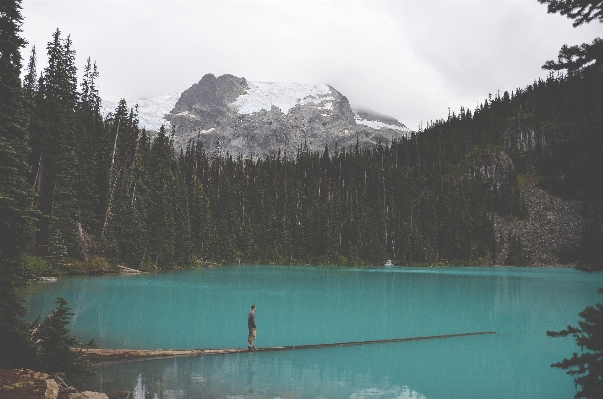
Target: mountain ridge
232	115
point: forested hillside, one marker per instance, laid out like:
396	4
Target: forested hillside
106	192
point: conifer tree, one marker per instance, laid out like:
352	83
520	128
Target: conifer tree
586	367
16	214
30	82
53	140
161	212
183	234
574	58
56	354
580	11
91	147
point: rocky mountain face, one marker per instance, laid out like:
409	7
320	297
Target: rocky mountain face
231	115
550	224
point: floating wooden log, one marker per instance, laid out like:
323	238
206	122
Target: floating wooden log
127	270
109	354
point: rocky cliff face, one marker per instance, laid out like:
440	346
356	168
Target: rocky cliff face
548	224
231	115
551	224
497	170
205	104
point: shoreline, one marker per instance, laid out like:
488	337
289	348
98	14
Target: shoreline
53	278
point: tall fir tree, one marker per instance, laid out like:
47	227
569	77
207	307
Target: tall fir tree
16	196
55	158
161	212
56	353
574	58
586	367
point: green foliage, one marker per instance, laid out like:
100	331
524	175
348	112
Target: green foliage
56	354
524	180
580	11
57	249
16	221
37	266
586	367
575	58
16	349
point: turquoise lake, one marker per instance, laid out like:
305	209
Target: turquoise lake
207	308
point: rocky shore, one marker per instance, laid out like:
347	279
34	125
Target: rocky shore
29	384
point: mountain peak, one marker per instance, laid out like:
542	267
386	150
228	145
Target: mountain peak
255	119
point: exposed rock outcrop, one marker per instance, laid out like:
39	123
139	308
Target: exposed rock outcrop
496	170
52	389
551	224
28	384
548	224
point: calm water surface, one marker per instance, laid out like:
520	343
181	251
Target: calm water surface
207	308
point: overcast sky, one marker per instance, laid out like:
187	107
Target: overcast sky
408	59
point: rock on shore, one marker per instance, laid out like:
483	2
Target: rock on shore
29	384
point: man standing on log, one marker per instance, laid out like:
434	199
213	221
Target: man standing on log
251	326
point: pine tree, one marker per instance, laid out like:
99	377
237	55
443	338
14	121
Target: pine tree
91	147
574	58
55	159
580	11
30	82
56	354
161	212
57	250
16	197
183	235
587	367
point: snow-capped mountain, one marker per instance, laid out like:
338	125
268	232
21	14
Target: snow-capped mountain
232	115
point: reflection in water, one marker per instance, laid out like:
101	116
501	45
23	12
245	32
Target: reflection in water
250	372
140	390
298	374
393	392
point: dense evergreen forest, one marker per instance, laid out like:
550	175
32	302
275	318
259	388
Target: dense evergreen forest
106	191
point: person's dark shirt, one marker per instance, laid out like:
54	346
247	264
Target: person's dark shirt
251	319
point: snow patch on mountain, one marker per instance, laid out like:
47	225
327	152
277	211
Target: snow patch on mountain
231	115
151	111
187	114
260	96
284	96
378	124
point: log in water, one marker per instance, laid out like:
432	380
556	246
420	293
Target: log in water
105	354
